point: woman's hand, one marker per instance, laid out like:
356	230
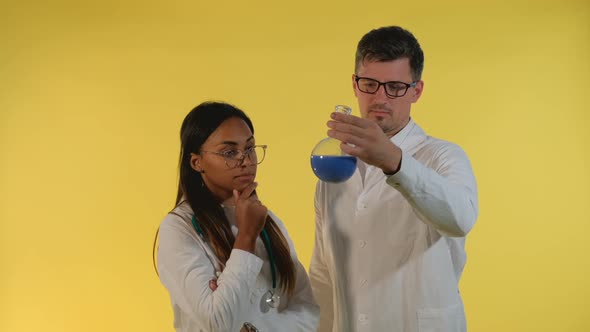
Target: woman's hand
250	218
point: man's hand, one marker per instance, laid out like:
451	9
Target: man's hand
369	143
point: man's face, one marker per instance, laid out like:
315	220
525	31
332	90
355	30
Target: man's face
391	114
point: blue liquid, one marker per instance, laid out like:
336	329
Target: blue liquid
333	168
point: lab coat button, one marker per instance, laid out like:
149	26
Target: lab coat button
362	244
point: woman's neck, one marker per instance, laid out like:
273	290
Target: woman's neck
229	202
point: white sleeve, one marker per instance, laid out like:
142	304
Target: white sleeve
445	195
321	281
185	270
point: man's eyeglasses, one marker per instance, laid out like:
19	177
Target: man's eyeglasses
393	89
235	158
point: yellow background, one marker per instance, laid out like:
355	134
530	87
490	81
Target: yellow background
92	94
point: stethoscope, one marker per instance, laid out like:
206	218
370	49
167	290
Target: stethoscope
272	299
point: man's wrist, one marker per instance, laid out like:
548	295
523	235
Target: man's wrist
392	168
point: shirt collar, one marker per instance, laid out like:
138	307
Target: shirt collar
409	137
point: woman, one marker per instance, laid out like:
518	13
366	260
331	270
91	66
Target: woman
226	260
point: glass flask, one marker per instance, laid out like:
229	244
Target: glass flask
328	162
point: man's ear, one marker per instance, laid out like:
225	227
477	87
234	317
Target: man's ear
354	85
417	91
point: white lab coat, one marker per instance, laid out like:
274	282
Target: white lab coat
389	251
185	264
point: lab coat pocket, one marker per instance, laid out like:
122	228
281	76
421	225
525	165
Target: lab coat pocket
446	319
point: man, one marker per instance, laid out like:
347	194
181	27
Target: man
390	241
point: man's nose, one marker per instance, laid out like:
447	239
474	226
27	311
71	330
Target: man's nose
380	94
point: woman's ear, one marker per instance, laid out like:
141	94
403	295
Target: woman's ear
196	163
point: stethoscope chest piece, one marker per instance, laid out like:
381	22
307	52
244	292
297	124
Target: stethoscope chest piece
271	299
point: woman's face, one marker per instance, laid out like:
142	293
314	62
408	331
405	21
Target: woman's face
221	159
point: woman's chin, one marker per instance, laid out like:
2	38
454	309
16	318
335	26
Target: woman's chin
244	180
241	185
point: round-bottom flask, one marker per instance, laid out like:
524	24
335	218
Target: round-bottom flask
328	162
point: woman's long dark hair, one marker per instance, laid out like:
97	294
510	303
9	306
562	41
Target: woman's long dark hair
198	125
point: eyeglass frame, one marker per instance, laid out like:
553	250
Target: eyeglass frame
241	160
408	86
